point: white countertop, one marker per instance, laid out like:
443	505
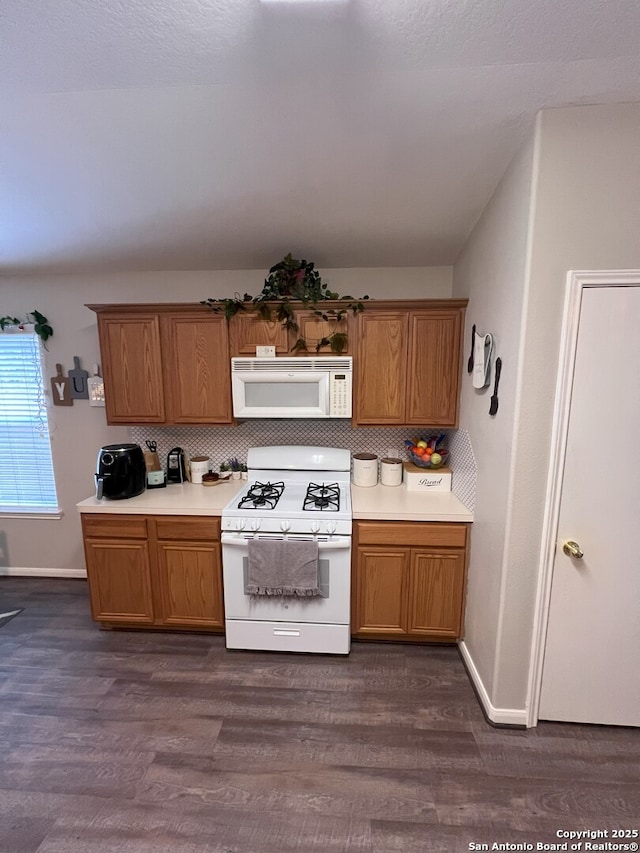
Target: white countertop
396	503
386	503
174	499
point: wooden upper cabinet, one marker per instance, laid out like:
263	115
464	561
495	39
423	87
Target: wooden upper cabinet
132	368
197	369
169	363
381	367
408	363
248	331
433	376
313	329
165	364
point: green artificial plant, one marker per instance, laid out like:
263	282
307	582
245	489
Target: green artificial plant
40	324
292	280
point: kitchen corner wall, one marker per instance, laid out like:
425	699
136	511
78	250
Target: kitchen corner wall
569	201
78	431
491	273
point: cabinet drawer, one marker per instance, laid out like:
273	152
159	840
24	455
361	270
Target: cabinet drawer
415	533
180	527
114	526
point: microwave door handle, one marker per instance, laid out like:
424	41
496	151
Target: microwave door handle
325	389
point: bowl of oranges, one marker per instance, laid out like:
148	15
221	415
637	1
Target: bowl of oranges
427	452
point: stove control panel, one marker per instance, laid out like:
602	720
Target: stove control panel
287	525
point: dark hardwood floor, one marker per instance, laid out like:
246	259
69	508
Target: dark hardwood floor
138	742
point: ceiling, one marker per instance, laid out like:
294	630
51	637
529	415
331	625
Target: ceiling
221	134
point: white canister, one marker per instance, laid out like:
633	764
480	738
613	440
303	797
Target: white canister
391	471
199	466
365	469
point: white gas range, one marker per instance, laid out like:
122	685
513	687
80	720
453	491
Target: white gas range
294	493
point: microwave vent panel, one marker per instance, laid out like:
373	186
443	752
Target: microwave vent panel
291	365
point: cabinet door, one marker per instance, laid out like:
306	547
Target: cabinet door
381	367
119	581
381	591
437	593
313	329
434	367
132	368
247	331
197	369
190	577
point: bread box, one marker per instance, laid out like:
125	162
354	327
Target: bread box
426	479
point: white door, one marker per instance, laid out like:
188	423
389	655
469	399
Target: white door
591	670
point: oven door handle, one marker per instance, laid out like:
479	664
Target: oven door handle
331	545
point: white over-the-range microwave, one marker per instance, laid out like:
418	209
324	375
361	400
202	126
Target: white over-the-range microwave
300	387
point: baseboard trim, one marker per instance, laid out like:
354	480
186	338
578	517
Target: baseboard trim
496	716
18	572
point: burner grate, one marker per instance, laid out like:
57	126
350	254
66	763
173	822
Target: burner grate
262	496
322	496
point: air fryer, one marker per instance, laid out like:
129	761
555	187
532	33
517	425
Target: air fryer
121	471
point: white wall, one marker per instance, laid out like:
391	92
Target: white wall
585	215
491	273
79	431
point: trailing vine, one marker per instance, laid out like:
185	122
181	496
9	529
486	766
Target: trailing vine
289	281
40	324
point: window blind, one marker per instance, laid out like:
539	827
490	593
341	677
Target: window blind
27	483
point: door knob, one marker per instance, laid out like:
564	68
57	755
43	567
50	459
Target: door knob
572	549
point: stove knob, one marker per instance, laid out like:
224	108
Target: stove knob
255	524
241	523
285	525
315	526
331	527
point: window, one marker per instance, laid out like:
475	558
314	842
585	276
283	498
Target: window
27	483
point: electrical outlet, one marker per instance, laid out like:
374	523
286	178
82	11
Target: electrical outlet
265	352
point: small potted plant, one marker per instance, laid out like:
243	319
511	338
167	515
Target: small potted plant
225	471
235	467
243	471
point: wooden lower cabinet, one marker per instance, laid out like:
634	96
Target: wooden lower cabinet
381	587
409	580
191	588
119	581
154	571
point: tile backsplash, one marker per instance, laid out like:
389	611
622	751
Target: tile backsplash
220	443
